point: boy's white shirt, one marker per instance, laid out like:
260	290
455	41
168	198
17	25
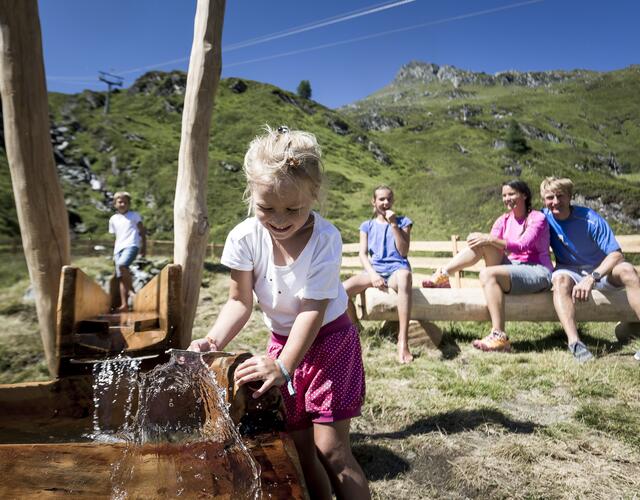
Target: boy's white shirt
279	290
125	227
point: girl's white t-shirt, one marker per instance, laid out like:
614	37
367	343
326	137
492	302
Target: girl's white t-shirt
279	290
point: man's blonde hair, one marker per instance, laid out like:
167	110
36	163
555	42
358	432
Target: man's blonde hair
284	155
122	194
555	184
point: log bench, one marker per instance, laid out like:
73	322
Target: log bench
465	300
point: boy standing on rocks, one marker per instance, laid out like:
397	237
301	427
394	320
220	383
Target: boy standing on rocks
130	239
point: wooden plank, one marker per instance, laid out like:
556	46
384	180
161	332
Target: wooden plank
79	299
416	263
630	243
190	214
40	206
456	278
469	305
84	470
415	246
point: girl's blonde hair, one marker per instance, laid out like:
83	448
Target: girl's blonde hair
284	156
554	184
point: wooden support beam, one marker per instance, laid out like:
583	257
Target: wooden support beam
460	304
191	223
39	200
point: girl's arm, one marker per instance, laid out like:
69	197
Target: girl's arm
402	236
363	253
233	315
303	332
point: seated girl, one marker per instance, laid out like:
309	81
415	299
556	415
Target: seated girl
516	254
385	237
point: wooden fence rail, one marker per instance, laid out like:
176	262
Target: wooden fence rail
105	246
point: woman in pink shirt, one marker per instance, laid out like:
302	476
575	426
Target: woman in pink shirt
516	253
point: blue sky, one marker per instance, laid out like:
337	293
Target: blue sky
358	51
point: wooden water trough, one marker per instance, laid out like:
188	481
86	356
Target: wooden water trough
86	327
44	448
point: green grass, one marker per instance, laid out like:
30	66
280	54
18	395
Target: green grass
456	423
443	190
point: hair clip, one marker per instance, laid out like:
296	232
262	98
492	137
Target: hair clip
292	162
282	129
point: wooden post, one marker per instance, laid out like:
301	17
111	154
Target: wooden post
454	248
39	200
191	223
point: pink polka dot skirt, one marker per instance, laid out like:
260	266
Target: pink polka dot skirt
329	381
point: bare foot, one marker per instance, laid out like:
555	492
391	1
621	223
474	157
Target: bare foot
404	356
122	309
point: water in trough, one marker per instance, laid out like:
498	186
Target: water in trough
175	424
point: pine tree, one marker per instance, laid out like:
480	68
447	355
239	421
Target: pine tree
304	89
515	140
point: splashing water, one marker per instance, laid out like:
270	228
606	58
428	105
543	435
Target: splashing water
181	440
115	385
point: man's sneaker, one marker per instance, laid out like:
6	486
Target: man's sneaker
437	280
580	352
495	341
636	356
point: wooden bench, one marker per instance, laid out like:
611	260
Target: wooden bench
465	300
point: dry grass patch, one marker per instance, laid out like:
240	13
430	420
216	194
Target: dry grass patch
456	423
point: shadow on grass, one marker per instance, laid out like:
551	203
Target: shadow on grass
378	462
449	347
456	421
555	340
558	340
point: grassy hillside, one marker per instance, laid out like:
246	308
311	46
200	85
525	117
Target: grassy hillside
439	143
451	136
135	147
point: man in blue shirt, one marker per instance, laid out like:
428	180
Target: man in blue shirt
587	257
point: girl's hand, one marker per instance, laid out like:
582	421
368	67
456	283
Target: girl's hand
390	216
259	369
203	345
377	281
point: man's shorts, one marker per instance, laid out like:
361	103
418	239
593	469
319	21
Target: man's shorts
329	382
124	258
578	274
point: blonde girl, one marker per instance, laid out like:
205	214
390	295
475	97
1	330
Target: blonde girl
289	256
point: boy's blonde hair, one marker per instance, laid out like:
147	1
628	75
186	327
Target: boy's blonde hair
554	184
284	155
122	194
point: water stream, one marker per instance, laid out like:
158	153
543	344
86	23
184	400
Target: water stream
178	434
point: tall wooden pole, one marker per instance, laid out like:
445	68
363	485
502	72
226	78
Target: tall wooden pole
39	200
191	223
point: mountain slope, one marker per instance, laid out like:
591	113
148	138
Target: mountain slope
451	126
436	134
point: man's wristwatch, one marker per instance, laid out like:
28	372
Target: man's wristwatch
596	276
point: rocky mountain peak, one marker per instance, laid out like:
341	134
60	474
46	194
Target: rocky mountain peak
160	83
426	72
